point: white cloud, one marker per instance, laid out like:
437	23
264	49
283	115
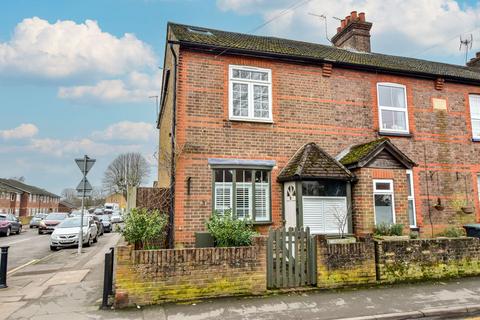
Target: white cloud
402	27
127	130
75	147
65	49
136	87
23	131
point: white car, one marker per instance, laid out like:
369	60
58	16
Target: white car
116	217
66	233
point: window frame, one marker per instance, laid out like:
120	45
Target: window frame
390	108
252	218
474	137
411	197
250	83
390	191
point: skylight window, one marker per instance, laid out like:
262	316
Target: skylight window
200	31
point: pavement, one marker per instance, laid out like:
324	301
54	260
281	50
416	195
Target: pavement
64	285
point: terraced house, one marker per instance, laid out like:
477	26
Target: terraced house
289	133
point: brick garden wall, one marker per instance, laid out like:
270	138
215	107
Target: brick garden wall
427	259
155	276
347	264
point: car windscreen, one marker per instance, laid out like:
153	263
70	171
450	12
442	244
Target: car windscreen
3	217
105	217
72	223
55	216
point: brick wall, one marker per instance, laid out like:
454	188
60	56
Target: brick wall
363	206
346	264
155	276
334	112
427	259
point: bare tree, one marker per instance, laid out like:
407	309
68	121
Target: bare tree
69	194
341	219
19	178
126	171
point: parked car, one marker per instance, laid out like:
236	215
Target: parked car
106	222
9	224
116	217
98	211
66	233
35	221
96	219
77	213
51	221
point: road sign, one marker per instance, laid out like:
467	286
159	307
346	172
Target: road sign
85	166
84	185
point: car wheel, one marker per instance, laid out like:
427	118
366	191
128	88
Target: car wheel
31	227
40	231
89	242
95	240
8	232
53	248
19	230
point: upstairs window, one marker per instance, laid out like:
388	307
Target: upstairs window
250	92
392	108
475	115
245	192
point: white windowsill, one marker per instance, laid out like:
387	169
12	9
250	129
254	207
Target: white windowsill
250	120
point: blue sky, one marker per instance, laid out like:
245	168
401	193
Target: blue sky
75	76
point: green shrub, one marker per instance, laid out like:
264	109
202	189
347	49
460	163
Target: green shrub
385	229
228	231
144	229
452	232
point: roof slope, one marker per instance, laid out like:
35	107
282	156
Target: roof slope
311	162
360	154
307	50
7	188
27	188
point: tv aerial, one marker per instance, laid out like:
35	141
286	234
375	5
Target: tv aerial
467	44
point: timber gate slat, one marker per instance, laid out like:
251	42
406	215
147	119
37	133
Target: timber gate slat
291	260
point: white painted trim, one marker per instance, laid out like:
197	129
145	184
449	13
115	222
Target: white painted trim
250	84
471	114
380	108
412	197
390	192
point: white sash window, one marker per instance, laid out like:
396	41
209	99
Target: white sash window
392	108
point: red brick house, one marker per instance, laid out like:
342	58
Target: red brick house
293	133
31	200
9	199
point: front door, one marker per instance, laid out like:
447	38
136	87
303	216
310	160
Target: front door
290	202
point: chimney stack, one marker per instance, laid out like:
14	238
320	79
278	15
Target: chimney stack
353	33
474	62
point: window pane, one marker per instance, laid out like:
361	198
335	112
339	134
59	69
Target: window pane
324	188
384	96
393	120
257	75
243	200
240	100
223	196
260	101
475	106
476	128
262	201
398	97
244	176
409	185
382	186
222	175
383	209
399	120
411	212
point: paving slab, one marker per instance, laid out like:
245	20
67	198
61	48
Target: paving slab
8	308
66	277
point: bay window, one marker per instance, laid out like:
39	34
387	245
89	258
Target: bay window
474	100
383	202
250	94
392	108
246	192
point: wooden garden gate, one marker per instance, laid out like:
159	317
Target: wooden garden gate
291	258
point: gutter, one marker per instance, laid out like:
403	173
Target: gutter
171	233
299	59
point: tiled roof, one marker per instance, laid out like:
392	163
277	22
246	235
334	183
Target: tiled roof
27	188
6	188
358	155
313	51
68	204
311	162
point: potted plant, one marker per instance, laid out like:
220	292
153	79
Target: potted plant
385	231
341	220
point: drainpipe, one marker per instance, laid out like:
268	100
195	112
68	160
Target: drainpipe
171	219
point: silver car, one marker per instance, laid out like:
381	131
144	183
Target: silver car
35	221
66	233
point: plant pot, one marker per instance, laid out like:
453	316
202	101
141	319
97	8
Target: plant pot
439	207
468	210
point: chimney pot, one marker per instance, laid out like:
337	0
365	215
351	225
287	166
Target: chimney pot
343	23
361	15
339	29
353	14
354	33
347	18
477	54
